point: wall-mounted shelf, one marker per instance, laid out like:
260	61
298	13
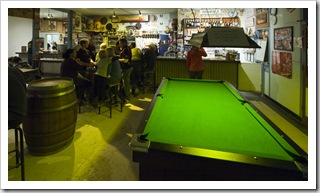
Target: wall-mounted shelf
112	40
192	26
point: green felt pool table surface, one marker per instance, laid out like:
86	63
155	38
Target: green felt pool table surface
212	115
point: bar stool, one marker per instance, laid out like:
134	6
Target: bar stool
152	75
121	101
19	150
80	103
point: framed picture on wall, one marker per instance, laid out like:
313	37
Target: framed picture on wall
52	25
282	63
283	38
262	20
77	23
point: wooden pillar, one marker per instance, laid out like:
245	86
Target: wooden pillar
36	41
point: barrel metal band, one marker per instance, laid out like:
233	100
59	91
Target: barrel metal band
50	95
49	134
52	109
34	150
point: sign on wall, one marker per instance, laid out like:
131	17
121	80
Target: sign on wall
282	63
131	18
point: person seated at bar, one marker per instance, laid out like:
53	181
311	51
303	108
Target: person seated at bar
14	61
103	46
70	68
114	73
149	57
100	78
149	60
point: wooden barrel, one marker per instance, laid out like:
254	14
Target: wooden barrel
51	116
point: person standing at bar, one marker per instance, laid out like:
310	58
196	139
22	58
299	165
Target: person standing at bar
92	50
69	68
88	65
54	45
137	68
83	56
125	61
194	62
30	54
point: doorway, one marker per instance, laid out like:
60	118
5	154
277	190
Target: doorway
52	37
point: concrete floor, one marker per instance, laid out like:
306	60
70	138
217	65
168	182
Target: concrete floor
99	146
100	151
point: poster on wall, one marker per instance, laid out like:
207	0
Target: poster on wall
282	63
77	23
283	38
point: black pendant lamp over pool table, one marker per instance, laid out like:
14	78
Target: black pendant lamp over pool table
227	37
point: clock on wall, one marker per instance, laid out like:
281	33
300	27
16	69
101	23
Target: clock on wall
273	11
273	19
153	18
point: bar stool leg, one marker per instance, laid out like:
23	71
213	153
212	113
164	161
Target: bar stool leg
16	146
22	154
110	101
19	151
80	103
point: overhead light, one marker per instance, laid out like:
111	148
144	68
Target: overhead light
49	15
140	13
114	14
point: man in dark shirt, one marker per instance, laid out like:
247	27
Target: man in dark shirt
150	57
30	54
17	97
70	68
83	56
92	50
125	61
149	61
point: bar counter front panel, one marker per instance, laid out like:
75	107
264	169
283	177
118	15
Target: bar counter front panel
49	65
215	69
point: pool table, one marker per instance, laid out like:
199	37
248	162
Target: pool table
205	130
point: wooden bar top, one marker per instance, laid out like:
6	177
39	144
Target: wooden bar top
218	58
57	60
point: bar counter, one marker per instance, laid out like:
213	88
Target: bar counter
49	65
216	69
46	54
